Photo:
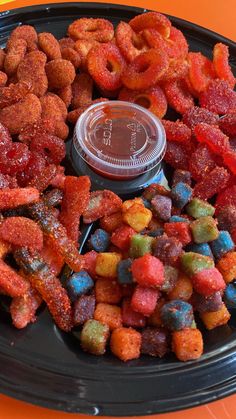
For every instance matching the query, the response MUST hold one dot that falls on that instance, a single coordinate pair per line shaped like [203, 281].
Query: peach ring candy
[145, 70]
[178, 95]
[175, 46]
[105, 65]
[151, 20]
[201, 71]
[100, 30]
[152, 99]
[221, 64]
[130, 43]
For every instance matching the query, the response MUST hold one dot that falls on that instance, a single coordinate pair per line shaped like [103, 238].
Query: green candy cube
[140, 245]
[192, 263]
[94, 336]
[198, 208]
[171, 276]
[204, 230]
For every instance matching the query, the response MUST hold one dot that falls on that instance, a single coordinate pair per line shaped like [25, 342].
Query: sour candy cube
[109, 315]
[208, 281]
[183, 176]
[125, 343]
[167, 249]
[180, 231]
[230, 295]
[177, 315]
[202, 248]
[79, 283]
[155, 341]
[121, 237]
[124, 274]
[182, 290]
[107, 291]
[137, 216]
[212, 319]
[94, 337]
[140, 245]
[222, 244]
[99, 240]
[84, 308]
[202, 303]
[130, 317]
[192, 263]
[187, 344]
[144, 300]
[227, 266]
[171, 276]
[198, 208]
[148, 271]
[162, 207]
[106, 264]
[204, 229]
[181, 194]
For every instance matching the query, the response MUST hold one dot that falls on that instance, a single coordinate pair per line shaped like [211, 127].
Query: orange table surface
[218, 16]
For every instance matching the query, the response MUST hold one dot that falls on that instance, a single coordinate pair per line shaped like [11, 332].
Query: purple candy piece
[155, 341]
[181, 176]
[167, 249]
[203, 304]
[84, 309]
[227, 217]
[162, 207]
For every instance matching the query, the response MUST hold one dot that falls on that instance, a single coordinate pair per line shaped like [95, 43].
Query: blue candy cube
[124, 274]
[222, 244]
[230, 295]
[156, 233]
[99, 240]
[78, 284]
[181, 194]
[177, 315]
[202, 248]
[178, 219]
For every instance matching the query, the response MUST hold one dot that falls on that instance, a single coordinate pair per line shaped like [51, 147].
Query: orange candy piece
[221, 64]
[21, 231]
[145, 70]
[11, 282]
[153, 20]
[213, 137]
[130, 44]
[13, 198]
[100, 30]
[152, 99]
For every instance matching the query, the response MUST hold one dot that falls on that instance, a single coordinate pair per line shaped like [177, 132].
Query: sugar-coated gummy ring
[129, 43]
[100, 30]
[221, 64]
[178, 95]
[201, 71]
[152, 99]
[178, 69]
[151, 20]
[175, 46]
[105, 65]
[145, 70]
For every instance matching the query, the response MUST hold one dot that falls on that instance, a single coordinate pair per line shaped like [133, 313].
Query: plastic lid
[119, 139]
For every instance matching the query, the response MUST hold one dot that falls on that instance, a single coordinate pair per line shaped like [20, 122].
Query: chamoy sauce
[120, 145]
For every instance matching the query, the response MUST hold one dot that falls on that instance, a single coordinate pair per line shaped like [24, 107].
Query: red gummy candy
[212, 183]
[90, 263]
[101, 203]
[14, 160]
[230, 160]
[12, 198]
[153, 20]
[176, 131]
[148, 271]
[130, 317]
[44, 178]
[74, 203]
[195, 115]
[177, 156]
[5, 139]
[41, 127]
[208, 281]
[219, 98]
[54, 260]
[11, 282]
[22, 232]
[213, 137]
[34, 167]
[226, 197]
[144, 300]
[180, 231]
[121, 237]
[129, 43]
[228, 124]
[50, 147]
[178, 95]
[221, 63]
[202, 162]
[201, 71]
[23, 309]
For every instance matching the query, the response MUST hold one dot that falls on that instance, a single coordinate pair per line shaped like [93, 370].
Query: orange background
[218, 16]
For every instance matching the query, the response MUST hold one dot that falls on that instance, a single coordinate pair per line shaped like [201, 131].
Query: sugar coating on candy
[204, 229]
[181, 193]
[94, 337]
[51, 147]
[162, 207]
[121, 237]
[212, 319]
[23, 308]
[221, 63]
[108, 314]
[51, 257]
[101, 203]
[65, 93]
[218, 98]
[11, 282]
[203, 303]
[78, 284]
[90, 262]
[227, 124]
[153, 20]
[148, 271]
[75, 200]
[196, 115]
[137, 216]
[130, 317]
[155, 341]
[107, 291]
[212, 183]
[26, 32]
[222, 244]
[201, 71]
[44, 178]
[106, 264]
[192, 263]
[177, 156]
[226, 217]
[227, 266]
[229, 159]
[181, 176]
[187, 344]
[178, 219]
[226, 197]
[129, 43]
[49, 45]
[202, 248]
[71, 55]
[12, 198]
[22, 231]
[176, 131]
[170, 278]
[230, 296]
[202, 162]
[145, 70]
[208, 281]
[144, 300]
[140, 245]
[178, 95]
[84, 308]
[15, 53]
[82, 90]
[152, 99]
[181, 231]
[213, 137]
[100, 30]
[125, 343]
[182, 289]
[198, 208]
[167, 249]
[32, 70]
[60, 73]
[177, 315]
[99, 240]
[111, 222]
[155, 189]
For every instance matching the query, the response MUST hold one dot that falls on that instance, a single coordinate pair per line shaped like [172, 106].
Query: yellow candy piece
[137, 216]
[212, 319]
[106, 264]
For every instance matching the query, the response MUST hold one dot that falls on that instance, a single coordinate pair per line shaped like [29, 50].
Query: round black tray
[46, 367]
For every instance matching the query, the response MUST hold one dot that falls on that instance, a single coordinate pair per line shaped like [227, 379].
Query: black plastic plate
[46, 367]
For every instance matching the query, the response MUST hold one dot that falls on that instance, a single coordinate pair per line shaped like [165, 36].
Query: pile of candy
[155, 261]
